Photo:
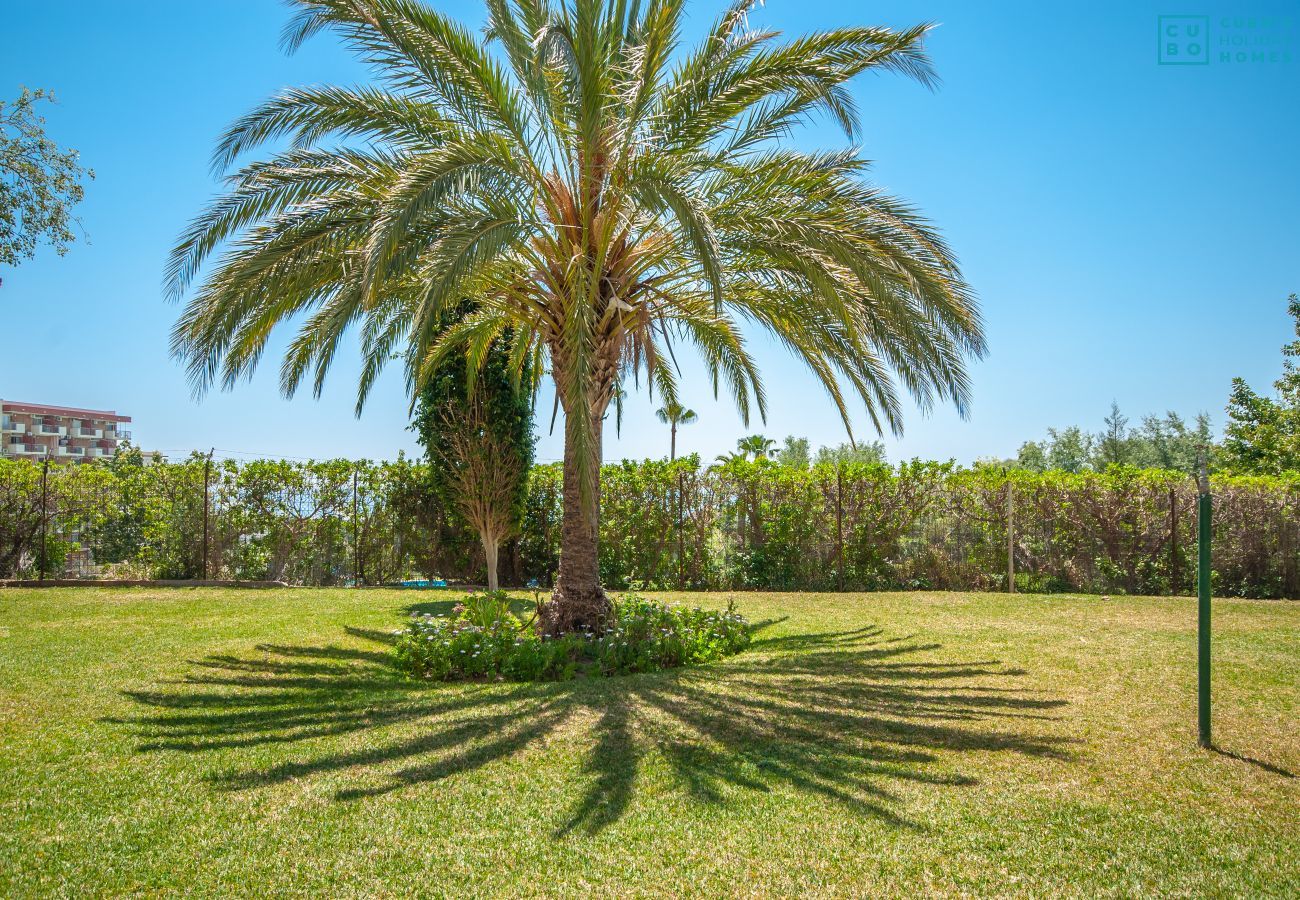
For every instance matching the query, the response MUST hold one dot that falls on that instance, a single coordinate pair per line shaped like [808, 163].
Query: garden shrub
[484, 638]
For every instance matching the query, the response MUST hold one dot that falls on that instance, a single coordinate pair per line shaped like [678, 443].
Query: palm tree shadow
[850, 716]
[430, 607]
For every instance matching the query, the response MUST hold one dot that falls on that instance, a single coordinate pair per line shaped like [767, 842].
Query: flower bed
[484, 638]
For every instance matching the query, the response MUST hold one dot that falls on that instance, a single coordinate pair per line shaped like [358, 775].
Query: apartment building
[62, 433]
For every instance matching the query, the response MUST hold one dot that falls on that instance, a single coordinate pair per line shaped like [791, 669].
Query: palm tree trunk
[672, 447]
[579, 602]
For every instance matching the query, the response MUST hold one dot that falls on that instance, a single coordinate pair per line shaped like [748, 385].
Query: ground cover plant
[219, 742]
[483, 637]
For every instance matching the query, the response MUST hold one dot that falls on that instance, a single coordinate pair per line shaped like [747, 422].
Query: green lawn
[258, 742]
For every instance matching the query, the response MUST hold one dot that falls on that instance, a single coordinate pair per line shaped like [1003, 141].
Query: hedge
[919, 525]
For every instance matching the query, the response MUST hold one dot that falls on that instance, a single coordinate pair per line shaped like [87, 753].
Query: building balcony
[71, 451]
[12, 427]
[78, 431]
[60, 430]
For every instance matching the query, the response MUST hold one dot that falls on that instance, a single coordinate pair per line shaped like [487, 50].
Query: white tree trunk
[490, 550]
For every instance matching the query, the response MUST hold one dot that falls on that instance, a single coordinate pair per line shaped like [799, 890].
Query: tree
[1169, 443]
[39, 183]
[756, 446]
[1032, 456]
[873, 452]
[603, 193]
[674, 414]
[1071, 449]
[425, 527]
[795, 453]
[1262, 436]
[1160, 443]
[121, 535]
[1114, 444]
[480, 446]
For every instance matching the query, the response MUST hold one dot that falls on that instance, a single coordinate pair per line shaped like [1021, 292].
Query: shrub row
[664, 525]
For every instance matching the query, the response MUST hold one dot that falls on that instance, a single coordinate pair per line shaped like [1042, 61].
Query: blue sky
[1131, 228]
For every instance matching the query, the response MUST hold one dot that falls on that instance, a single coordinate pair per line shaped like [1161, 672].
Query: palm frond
[577, 186]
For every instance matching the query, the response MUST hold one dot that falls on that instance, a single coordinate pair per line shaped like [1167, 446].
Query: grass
[259, 742]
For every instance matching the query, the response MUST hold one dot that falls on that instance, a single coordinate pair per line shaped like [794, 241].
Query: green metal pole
[1203, 509]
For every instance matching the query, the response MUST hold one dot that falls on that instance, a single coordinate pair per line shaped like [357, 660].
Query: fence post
[1174, 574]
[1011, 537]
[839, 520]
[681, 543]
[356, 538]
[45, 520]
[1204, 509]
[207, 477]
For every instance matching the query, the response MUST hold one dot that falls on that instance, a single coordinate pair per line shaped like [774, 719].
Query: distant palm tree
[674, 414]
[599, 192]
[756, 446]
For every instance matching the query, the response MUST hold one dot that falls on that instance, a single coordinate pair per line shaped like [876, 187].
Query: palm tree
[674, 414]
[756, 446]
[599, 194]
